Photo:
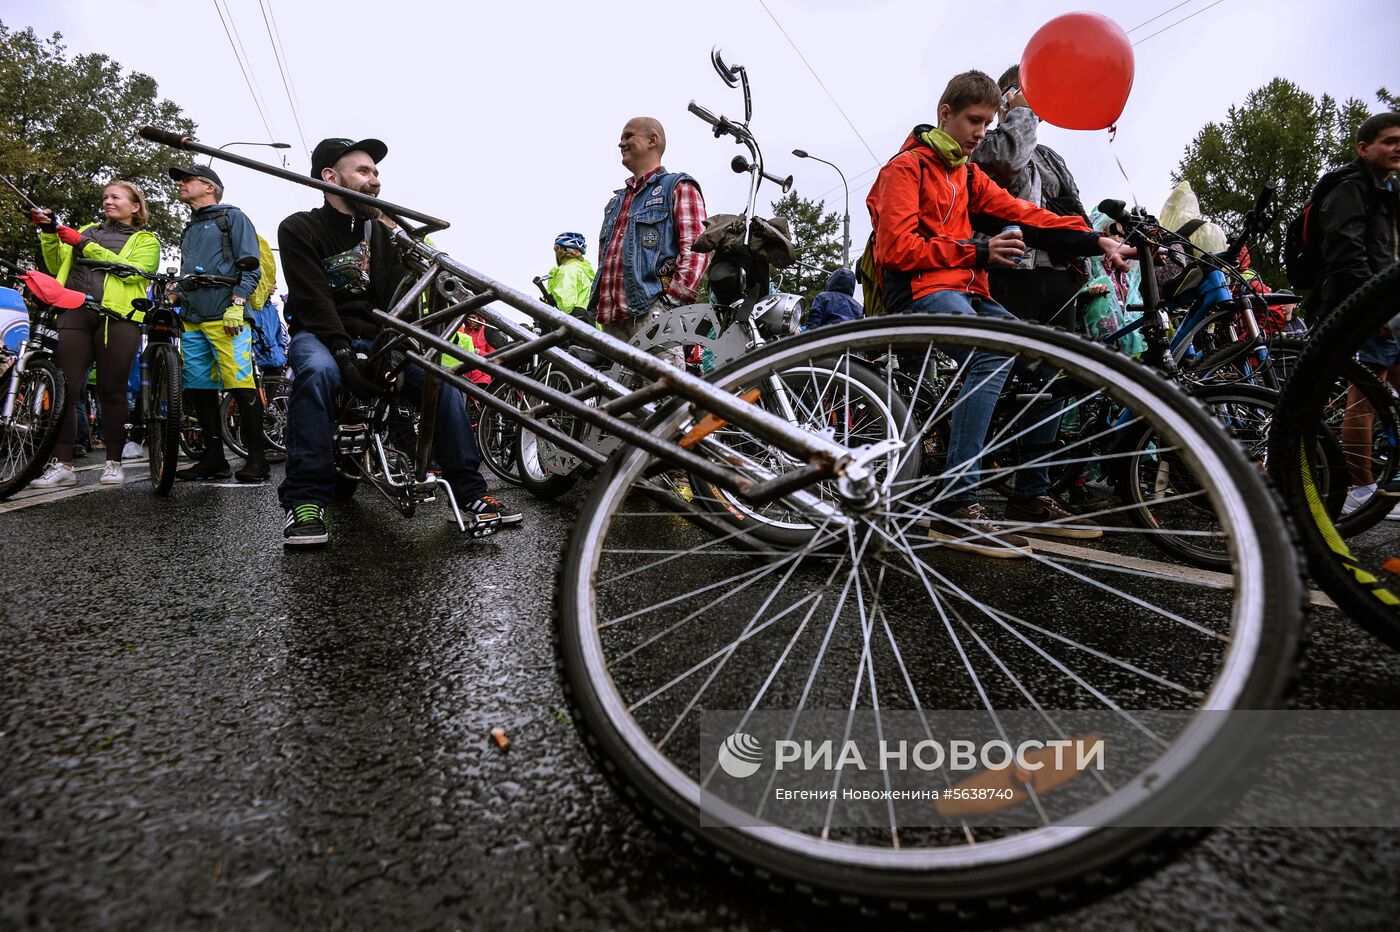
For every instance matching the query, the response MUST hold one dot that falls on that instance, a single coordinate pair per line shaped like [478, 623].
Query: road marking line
[31, 497]
[1188, 573]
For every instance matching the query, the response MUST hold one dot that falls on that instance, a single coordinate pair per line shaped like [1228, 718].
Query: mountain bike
[35, 393]
[162, 402]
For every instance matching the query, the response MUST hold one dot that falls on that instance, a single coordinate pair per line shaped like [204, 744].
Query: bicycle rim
[28, 437]
[658, 623]
[164, 416]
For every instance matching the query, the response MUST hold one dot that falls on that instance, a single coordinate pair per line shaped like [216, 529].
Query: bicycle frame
[619, 411]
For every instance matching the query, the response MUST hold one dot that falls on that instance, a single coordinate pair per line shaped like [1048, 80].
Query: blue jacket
[203, 247]
[650, 244]
[835, 304]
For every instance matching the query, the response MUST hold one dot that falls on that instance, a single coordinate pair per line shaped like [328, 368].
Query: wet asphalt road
[198, 731]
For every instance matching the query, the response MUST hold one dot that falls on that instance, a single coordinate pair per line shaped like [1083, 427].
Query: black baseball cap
[195, 171]
[329, 151]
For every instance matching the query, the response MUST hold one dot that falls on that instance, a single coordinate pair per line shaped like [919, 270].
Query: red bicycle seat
[47, 289]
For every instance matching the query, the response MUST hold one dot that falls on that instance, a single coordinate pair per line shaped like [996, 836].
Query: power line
[1177, 23]
[278, 55]
[277, 30]
[1159, 16]
[247, 80]
[238, 37]
[818, 78]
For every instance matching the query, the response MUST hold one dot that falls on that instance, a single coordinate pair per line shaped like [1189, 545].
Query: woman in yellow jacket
[85, 337]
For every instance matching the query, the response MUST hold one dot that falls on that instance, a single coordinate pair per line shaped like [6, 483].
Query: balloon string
[1113, 135]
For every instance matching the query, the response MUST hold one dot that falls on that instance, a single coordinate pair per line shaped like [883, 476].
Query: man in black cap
[340, 264]
[218, 343]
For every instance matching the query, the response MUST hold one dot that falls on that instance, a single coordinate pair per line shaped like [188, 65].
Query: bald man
[645, 262]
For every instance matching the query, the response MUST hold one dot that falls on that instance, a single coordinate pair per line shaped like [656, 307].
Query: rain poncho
[1106, 313]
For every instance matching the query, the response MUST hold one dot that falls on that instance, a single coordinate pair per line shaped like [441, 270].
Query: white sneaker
[1357, 496]
[112, 473]
[133, 451]
[55, 477]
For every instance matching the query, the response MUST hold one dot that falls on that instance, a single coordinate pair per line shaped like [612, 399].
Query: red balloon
[1077, 71]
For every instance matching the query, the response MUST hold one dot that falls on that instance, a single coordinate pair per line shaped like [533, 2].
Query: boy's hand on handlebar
[1116, 254]
[233, 319]
[69, 235]
[43, 219]
[1005, 248]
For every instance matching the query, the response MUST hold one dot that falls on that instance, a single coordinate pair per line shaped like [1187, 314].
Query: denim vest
[650, 244]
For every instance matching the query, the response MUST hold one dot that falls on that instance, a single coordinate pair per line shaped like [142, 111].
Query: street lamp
[270, 145]
[846, 221]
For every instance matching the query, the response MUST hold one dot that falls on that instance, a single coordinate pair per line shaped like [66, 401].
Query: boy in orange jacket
[922, 208]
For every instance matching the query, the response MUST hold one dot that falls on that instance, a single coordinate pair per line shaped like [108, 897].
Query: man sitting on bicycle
[340, 264]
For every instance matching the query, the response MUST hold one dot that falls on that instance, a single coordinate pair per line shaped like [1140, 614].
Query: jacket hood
[913, 141]
[842, 280]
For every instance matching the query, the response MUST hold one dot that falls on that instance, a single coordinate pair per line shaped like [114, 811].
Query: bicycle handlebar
[197, 279]
[722, 125]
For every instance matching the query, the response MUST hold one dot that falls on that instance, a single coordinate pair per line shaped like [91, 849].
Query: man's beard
[364, 211]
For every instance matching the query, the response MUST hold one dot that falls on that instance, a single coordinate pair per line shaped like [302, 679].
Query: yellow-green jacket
[142, 251]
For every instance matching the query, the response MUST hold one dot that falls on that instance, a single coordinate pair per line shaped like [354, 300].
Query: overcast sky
[503, 118]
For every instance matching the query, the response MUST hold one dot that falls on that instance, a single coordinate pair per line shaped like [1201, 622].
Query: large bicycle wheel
[1359, 572]
[163, 415]
[677, 647]
[28, 435]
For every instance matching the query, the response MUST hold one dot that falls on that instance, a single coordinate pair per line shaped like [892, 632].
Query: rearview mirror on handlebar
[246, 263]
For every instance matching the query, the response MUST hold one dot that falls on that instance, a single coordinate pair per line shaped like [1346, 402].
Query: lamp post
[846, 220]
[270, 145]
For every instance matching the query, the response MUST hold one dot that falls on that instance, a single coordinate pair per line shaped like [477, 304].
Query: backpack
[226, 238]
[1302, 241]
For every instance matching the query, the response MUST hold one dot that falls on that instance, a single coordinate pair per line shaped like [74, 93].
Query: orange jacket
[919, 210]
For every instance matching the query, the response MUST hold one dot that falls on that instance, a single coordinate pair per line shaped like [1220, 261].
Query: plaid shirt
[688, 214]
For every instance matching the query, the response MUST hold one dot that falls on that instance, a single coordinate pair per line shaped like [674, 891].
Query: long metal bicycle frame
[822, 458]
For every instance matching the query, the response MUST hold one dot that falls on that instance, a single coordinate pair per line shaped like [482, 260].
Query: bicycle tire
[535, 477]
[1354, 574]
[496, 439]
[27, 440]
[276, 396]
[617, 676]
[163, 415]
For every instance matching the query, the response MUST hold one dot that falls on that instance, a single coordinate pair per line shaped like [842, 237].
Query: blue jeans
[310, 432]
[984, 376]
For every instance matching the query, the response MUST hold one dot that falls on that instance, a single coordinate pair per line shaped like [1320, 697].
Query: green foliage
[1280, 133]
[816, 235]
[68, 126]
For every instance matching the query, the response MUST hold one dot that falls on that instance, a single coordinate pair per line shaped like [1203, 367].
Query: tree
[816, 236]
[68, 125]
[1280, 133]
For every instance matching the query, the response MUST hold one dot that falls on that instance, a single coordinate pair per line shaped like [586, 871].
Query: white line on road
[1188, 573]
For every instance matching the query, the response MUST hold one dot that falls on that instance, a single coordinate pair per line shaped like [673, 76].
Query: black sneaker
[970, 529]
[305, 527]
[253, 470]
[490, 504]
[202, 471]
[1049, 519]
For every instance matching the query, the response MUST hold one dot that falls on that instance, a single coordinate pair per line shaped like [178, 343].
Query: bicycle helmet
[572, 241]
